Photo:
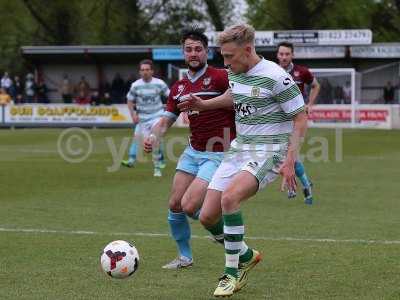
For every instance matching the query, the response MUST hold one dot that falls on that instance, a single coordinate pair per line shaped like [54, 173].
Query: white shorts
[143, 129]
[261, 164]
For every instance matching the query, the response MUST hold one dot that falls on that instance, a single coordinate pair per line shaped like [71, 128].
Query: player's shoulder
[269, 69]
[158, 81]
[137, 82]
[216, 71]
[300, 68]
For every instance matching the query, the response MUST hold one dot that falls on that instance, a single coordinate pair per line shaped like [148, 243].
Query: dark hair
[146, 62]
[286, 44]
[196, 34]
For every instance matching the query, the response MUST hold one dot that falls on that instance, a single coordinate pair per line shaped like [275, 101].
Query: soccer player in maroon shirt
[302, 76]
[211, 134]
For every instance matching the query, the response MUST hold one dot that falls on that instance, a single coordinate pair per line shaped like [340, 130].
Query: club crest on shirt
[255, 91]
[296, 73]
[180, 90]
[206, 83]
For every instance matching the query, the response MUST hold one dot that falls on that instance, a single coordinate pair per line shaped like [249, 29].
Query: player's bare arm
[287, 168]
[315, 88]
[196, 103]
[132, 111]
[157, 132]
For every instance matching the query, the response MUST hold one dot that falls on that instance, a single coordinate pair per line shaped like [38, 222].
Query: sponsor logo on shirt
[255, 91]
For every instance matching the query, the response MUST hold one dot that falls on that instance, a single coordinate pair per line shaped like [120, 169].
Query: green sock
[233, 236]
[217, 230]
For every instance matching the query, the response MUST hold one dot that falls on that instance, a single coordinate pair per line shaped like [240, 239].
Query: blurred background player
[302, 76]
[146, 108]
[211, 133]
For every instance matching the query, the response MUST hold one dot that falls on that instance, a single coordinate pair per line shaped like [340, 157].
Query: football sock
[217, 230]
[158, 155]
[196, 215]
[301, 174]
[132, 152]
[180, 231]
[245, 253]
[233, 238]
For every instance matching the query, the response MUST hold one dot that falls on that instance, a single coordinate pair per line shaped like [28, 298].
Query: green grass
[357, 200]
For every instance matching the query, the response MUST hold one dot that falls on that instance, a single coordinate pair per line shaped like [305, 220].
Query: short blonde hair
[240, 34]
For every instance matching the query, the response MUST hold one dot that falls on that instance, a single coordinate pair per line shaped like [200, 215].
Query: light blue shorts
[201, 164]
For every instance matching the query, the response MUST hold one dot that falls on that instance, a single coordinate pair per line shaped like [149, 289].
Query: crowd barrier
[68, 115]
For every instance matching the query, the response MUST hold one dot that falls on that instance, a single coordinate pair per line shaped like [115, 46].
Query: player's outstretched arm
[315, 88]
[157, 132]
[196, 103]
[287, 168]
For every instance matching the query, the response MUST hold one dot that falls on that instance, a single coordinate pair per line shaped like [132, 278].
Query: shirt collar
[289, 68]
[196, 75]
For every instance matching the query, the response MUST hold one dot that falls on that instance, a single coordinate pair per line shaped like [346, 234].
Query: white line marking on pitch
[148, 234]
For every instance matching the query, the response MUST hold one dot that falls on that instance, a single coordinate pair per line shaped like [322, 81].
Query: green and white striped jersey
[266, 99]
[147, 96]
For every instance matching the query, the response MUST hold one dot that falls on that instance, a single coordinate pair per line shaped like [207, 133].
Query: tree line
[141, 22]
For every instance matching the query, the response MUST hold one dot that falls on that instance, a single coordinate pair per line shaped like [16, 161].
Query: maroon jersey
[210, 124]
[301, 75]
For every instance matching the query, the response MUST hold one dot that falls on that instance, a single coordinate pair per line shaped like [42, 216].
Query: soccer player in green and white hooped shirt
[146, 109]
[270, 122]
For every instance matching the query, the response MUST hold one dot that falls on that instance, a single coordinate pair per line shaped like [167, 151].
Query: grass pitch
[56, 216]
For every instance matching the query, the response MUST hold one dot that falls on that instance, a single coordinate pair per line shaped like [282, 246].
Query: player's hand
[288, 174]
[193, 103]
[308, 109]
[135, 118]
[148, 144]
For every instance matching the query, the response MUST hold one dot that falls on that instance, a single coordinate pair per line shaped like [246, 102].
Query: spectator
[104, 91]
[106, 99]
[131, 79]
[95, 98]
[83, 88]
[30, 88]
[325, 94]
[42, 90]
[388, 93]
[82, 99]
[17, 90]
[5, 98]
[338, 95]
[117, 89]
[347, 93]
[6, 82]
[66, 89]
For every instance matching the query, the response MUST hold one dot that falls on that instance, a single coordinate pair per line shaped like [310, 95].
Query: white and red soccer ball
[119, 259]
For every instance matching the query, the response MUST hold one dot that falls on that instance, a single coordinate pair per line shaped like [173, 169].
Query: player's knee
[174, 204]
[189, 206]
[206, 219]
[229, 202]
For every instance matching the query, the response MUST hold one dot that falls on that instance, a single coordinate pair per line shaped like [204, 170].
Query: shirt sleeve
[164, 89]
[172, 110]
[308, 76]
[288, 95]
[131, 96]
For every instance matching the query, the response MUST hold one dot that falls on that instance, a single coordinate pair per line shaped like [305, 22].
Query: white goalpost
[339, 104]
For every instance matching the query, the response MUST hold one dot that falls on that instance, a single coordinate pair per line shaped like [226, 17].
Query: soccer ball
[119, 259]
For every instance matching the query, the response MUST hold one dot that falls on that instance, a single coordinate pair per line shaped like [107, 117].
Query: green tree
[102, 22]
[382, 17]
